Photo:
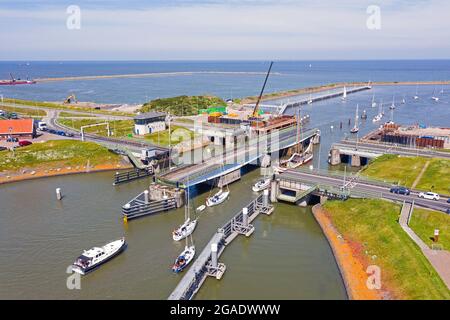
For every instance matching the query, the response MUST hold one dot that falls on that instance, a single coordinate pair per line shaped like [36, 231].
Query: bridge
[233, 160]
[369, 150]
[328, 183]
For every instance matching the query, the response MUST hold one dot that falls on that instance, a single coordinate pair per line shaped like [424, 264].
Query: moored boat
[184, 230]
[218, 198]
[183, 260]
[96, 256]
[261, 185]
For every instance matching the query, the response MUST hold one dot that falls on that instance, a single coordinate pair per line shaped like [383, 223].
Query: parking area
[42, 137]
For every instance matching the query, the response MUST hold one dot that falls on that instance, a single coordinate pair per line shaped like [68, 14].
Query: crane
[255, 110]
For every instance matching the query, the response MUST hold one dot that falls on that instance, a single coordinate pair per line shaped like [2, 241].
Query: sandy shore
[351, 266]
[36, 173]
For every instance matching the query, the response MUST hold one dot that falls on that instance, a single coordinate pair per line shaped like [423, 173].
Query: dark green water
[287, 256]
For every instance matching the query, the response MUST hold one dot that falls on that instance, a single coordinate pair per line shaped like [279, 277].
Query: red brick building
[19, 128]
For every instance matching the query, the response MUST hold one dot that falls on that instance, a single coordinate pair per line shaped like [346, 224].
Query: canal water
[287, 257]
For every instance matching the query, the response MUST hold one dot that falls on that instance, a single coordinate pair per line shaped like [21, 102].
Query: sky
[225, 30]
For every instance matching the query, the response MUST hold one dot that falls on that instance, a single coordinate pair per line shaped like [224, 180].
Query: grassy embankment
[55, 154]
[51, 105]
[404, 170]
[183, 105]
[124, 128]
[34, 113]
[372, 228]
[424, 222]
[65, 114]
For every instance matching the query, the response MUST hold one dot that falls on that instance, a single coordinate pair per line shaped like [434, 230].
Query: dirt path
[352, 269]
[419, 176]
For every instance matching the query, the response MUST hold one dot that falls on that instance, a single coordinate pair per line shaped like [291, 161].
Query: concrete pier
[207, 263]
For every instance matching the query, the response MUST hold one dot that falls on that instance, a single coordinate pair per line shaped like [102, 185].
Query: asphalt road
[364, 186]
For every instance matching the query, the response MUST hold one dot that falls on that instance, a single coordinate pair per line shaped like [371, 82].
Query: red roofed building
[19, 128]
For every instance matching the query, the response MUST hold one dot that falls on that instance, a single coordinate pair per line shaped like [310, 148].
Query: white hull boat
[184, 230]
[218, 198]
[96, 256]
[261, 185]
[183, 260]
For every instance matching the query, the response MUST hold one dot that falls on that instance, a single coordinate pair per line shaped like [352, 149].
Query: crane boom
[255, 110]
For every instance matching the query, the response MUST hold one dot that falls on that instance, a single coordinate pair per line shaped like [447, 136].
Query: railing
[122, 177]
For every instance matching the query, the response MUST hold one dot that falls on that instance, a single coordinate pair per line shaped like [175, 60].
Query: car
[52, 131]
[23, 143]
[400, 190]
[60, 133]
[12, 139]
[429, 195]
[3, 148]
[448, 211]
[448, 200]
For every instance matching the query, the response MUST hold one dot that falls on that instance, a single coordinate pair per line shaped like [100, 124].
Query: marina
[198, 273]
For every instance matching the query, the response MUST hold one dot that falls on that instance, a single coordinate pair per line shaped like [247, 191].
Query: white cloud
[239, 29]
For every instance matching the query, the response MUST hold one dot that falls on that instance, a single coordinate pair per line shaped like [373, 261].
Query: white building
[149, 122]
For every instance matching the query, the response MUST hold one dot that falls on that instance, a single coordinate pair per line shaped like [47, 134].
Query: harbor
[145, 205]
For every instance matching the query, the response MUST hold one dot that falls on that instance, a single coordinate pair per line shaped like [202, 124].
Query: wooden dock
[207, 262]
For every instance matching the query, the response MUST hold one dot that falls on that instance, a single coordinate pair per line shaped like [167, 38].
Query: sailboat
[262, 184]
[380, 113]
[364, 115]
[310, 101]
[442, 90]
[392, 107]
[374, 104]
[403, 100]
[187, 255]
[344, 95]
[416, 96]
[355, 128]
[434, 97]
[188, 226]
[218, 198]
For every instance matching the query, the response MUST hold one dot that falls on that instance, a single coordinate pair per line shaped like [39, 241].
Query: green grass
[120, 128]
[182, 105]
[64, 114]
[56, 153]
[24, 111]
[424, 222]
[51, 105]
[178, 135]
[404, 170]
[436, 177]
[395, 169]
[374, 225]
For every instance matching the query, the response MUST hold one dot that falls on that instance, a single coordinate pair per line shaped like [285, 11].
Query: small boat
[344, 95]
[184, 230]
[374, 104]
[183, 260]
[201, 208]
[442, 90]
[96, 256]
[392, 107]
[434, 97]
[416, 96]
[310, 101]
[364, 115]
[296, 160]
[218, 198]
[261, 185]
[403, 100]
[355, 128]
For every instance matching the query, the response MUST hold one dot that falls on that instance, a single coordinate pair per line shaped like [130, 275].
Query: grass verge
[372, 226]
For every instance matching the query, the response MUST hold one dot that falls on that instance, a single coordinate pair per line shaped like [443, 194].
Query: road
[366, 187]
[391, 149]
[52, 116]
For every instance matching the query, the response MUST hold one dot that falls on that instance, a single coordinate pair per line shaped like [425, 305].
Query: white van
[42, 126]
